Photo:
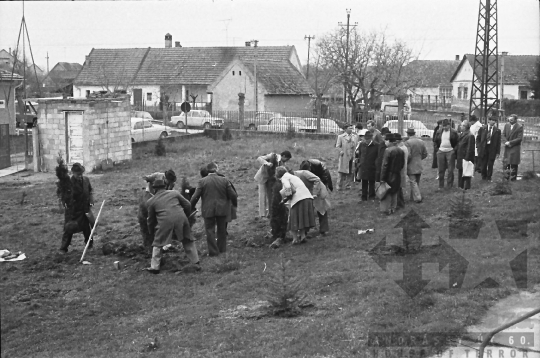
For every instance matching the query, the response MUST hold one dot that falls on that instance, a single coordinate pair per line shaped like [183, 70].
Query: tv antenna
[227, 21]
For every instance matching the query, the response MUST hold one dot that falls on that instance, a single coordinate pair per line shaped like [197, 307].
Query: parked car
[260, 118]
[143, 130]
[327, 126]
[141, 114]
[26, 113]
[283, 124]
[419, 127]
[196, 118]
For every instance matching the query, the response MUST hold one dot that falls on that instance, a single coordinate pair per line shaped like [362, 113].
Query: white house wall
[464, 79]
[225, 92]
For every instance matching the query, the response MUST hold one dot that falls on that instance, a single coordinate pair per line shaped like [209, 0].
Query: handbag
[381, 190]
[468, 168]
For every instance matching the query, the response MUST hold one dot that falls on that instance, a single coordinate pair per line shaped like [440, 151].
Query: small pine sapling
[461, 207]
[502, 184]
[284, 291]
[227, 135]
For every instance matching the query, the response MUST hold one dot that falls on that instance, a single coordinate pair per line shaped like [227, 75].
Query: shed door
[137, 98]
[5, 160]
[74, 137]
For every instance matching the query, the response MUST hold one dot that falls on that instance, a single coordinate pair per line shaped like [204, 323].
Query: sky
[435, 29]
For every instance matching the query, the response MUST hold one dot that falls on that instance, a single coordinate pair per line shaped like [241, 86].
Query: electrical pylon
[485, 78]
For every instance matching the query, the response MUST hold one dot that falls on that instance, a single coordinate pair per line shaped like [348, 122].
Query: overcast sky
[437, 29]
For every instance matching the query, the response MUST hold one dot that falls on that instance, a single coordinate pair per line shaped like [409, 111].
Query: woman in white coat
[301, 213]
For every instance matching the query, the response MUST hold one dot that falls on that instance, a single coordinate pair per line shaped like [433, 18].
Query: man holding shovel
[77, 214]
[168, 213]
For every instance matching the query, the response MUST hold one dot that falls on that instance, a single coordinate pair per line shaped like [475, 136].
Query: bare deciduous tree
[374, 66]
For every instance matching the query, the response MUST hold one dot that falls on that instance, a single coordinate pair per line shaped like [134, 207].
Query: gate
[5, 159]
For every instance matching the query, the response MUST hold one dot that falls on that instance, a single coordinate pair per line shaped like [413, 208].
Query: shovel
[91, 233]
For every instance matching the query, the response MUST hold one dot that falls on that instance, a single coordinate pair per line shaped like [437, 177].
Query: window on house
[239, 73]
[459, 91]
[87, 93]
[522, 94]
[149, 96]
[445, 92]
[465, 93]
[233, 73]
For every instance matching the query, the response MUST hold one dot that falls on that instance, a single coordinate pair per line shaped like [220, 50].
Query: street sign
[185, 107]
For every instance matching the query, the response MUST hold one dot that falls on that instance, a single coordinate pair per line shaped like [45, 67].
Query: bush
[226, 136]
[160, 149]
[529, 175]
[502, 184]
[291, 133]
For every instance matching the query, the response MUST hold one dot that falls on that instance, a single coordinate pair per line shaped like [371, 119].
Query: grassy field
[53, 306]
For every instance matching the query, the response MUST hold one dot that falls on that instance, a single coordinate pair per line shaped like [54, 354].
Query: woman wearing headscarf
[302, 213]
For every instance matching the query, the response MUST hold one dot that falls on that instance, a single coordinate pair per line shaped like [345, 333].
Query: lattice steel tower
[485, 78]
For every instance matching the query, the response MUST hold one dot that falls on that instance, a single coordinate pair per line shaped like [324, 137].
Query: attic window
[149, 96]
[239, 73]
[233, 73]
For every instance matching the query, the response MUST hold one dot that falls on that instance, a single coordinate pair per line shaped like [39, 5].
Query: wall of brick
[106, 130]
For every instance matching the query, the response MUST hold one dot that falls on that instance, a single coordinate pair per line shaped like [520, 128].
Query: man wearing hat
[403, 187]
[142, 214]
[445, 143]
[382, 148]
[513, 135]
[392, 164]
[417, 153]
[168, 213]
[366, 162]
[77, 205]
[346, 144]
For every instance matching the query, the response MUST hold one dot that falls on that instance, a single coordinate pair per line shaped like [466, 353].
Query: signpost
[185, 107]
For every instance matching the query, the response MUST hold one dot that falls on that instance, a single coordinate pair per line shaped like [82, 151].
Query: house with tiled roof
[210, 75]
[8, 82]
[433, 81]
[61, 77]
[518, 71]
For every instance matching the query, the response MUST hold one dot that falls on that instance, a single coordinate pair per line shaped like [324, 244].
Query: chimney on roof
[248, 43]
[168, 41]
[457, 57]
[177, 44]
[87, 60]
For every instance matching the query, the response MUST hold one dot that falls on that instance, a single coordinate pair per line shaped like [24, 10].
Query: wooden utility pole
[308, 38]
[346, 79]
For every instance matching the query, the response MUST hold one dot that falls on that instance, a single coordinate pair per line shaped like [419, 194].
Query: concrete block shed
[90, 131]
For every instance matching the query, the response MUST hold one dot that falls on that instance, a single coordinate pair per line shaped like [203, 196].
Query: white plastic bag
[468, 168]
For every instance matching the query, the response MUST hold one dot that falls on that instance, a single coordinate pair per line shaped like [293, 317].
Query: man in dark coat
[319, 169]
[445, 142]
[367, 153]
[489, 147]
[513, 135]
[168, 213]
[465, 150]
[393, 162]
[217, 197]
[77, 208]
[434, 161]
[142, 214]
[382, 148]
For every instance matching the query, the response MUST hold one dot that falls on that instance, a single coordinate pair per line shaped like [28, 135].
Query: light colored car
[196, 118]
[419, 127]
[143, 130]
[327, 126]
[260, 118]
[283, 124]
[141, 114]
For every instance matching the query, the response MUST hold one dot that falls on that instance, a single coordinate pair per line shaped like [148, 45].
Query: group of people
[380, 159]
[290, 199]
[384, 162]
[474, 148]
[169, 213]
